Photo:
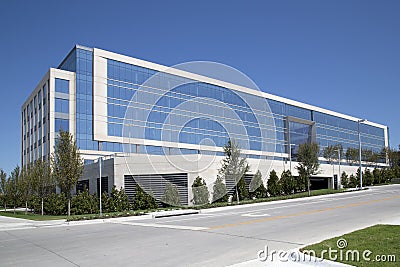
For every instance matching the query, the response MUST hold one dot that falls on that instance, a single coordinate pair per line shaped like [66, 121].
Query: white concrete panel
[99, 97]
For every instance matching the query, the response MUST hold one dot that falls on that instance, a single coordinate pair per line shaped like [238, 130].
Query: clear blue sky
[340, 55]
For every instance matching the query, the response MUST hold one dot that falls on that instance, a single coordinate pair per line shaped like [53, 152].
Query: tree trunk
[5, 206]
[42, 206]
[26, 206]
[69, 205]
[237, 194]
[309, 191]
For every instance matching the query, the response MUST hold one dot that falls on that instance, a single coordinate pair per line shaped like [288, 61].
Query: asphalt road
[216, 237]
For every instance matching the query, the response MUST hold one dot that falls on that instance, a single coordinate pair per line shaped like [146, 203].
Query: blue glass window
[61, 124]
[61, 105]
[62, 86]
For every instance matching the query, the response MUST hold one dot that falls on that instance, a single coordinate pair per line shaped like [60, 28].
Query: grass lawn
[30, 216]
[382, 240]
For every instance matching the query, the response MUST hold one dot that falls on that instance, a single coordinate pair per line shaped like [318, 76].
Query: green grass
[381, 240]
[31, 216]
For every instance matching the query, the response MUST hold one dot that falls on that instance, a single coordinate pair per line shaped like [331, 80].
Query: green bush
[287, 183]
[171, 195]
[257, 188]
[143, 200]
[345, 180]
[118, 200]
[200, 192]
[273, 184]
[84, 203]
[368, 179]
[241, 187]
[55, 204]
[219, 191]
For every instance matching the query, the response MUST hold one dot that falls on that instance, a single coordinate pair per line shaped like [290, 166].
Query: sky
[335, 54]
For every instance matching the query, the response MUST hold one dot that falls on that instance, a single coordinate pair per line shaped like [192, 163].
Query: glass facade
[80, 61]
[34, 127]
[145, 104]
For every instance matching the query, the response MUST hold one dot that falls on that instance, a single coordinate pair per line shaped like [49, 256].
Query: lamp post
[100, 207]
[290, 156]
[339, 176]
[359, 151]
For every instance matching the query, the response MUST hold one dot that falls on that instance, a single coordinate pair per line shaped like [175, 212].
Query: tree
[43, 182]
[287, 183]
[171, 195]
[273, 184]
[219, 191]
[200, 191]
[26, 186]
[118, 200]
[67, 164]
[234, 167]
[13, 183]
[257, 188]
[352, 156]
[143, 200]
[308, 160]
[3, 188]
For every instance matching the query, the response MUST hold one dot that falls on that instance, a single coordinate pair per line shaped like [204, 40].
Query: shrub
[368, 178]
[84, 203]
[118, 200]
[257, 188]
[171, 195]
[344, 180]
[219, 191]
[200, 192]
[143, 200]
[287, 183]
[55, 204]
[273, 184]
[241, 188]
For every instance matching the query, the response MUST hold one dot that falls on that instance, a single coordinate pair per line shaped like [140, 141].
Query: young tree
[67, 164]
[287, 183]
[3, 188]
[273, 184]
[200, 192]
[308, 160]
[43, 182]
[219, 191]
[13, 184]
[234, 167]
[257, 188]
[171, 195]
[26, 186]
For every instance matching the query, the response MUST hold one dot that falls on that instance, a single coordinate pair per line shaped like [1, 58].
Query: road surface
[215, 237]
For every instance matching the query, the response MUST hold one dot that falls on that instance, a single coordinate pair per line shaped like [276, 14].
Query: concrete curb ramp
[172, 213]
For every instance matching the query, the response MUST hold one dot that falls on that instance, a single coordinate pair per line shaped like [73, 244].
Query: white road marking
[170, 226]
[256, 214]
